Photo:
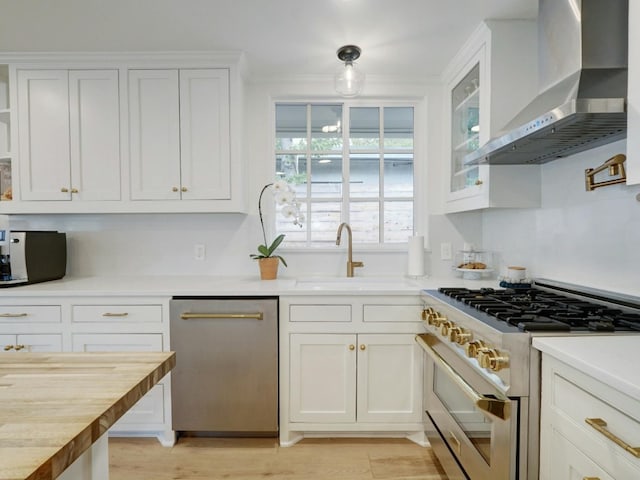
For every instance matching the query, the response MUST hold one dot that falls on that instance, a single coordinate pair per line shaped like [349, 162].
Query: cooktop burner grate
[538, 310]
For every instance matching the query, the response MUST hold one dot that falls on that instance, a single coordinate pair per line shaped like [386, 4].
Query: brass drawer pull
[13, 315]
[187, 316]
[20, 347]
[8, 347]
[590, 478]
[600, 425]
[110, 314]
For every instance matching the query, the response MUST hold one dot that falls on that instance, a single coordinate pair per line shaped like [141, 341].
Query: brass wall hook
[616, 167]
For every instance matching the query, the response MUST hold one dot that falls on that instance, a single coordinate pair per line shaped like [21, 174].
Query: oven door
[472, 426]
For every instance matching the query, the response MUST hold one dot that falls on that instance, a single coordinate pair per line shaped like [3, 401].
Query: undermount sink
[356, 283]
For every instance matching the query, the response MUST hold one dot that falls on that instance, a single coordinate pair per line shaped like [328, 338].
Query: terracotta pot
[268, 268]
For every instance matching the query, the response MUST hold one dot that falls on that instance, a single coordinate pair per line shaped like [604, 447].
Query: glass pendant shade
[349, 81]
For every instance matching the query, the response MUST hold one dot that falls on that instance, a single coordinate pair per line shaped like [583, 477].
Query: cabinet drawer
[574, 399]
[568, 461]
[117, 342]
[392, 313]
[117, 313]
[30, 313]
[320, 313]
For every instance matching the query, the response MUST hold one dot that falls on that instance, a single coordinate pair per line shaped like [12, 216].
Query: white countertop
[236, 286]
[612, 359]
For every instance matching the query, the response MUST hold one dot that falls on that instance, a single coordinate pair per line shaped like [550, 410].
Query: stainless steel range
[482, 377]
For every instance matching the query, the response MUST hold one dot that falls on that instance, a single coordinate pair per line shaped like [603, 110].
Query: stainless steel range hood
[582, 81]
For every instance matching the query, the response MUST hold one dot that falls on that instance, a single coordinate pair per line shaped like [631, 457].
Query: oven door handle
[497, 407]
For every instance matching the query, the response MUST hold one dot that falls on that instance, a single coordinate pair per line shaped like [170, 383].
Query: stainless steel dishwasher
[225, 381]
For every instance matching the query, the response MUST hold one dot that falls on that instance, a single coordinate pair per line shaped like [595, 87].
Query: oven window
[475, 424]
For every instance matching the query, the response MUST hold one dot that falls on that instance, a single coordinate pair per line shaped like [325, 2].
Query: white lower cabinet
[355, 378]
[148, 413]
[348, 370]
[584, 427]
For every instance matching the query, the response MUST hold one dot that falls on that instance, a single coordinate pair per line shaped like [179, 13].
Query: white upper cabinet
[487, 83]
[633, 98]
[121, 133]
[154, 137]
[69, 134]
[179, 134]
[204, 140]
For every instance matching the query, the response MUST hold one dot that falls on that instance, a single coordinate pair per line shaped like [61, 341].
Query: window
[347, 164]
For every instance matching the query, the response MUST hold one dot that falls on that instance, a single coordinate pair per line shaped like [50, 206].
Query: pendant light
[349, 81]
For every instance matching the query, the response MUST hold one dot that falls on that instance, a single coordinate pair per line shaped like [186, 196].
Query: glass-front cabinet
[5, 135]
[465, 129]
[493, 76]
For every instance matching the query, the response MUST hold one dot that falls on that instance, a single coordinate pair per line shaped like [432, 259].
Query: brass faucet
[350, 263]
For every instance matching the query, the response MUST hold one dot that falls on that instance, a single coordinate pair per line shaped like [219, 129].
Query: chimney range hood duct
[583, 86]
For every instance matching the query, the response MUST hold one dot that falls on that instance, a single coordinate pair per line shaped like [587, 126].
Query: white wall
[580, 237]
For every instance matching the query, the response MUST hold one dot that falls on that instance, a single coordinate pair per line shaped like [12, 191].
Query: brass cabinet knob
[352, 347]
[478, 182]
[74, 190]
[8, 347]
[64, 190]
[174, 189]
[492, 359]
[362, 347]
[473, 347]
[183, 189]
[19, 347]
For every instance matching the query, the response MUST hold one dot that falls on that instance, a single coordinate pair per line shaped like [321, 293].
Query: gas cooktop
[534, 309]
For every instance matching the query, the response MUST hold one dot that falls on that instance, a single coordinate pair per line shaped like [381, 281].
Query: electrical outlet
[445, 251]
[199, 251]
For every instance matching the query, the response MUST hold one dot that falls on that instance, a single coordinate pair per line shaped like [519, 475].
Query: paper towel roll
[415, 257]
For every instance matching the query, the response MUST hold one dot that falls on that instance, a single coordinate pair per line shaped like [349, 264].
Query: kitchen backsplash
[588, 238]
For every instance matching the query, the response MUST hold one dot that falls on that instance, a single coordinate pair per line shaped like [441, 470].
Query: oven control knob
[492, 359]
[426, 312]
[445, 327]
[473, 347]
[436, 319]
[460, 335]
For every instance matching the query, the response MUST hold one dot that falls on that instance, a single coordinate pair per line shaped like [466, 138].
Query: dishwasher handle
[190, 316]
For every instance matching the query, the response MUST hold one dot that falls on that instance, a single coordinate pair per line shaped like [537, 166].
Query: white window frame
[419, 167]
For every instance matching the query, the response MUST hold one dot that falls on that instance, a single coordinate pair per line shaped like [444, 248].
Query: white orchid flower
[289, 211]
[281, 186]
[284, 197]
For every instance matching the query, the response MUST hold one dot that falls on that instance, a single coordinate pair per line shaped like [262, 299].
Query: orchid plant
[285, 196]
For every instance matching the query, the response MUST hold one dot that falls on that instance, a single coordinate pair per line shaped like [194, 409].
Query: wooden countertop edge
[69, 453]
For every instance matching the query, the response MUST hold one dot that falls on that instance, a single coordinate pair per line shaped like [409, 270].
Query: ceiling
[279, 37]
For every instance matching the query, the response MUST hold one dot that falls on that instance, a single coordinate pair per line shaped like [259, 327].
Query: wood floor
[310, 459]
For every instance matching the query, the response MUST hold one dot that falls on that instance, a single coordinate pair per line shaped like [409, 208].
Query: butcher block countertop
[54, 406]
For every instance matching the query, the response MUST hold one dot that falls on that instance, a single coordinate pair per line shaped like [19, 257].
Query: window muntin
[362, 174]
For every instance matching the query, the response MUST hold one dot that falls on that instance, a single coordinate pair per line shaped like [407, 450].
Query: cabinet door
[154, 134]
[389, 378]
[633, 98]
[43, 132]
[40, 343]
[323, 378]
[31, 343]
[94, 101]
[204, 134]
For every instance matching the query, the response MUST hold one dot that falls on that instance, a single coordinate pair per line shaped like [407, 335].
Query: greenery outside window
[347, 163]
